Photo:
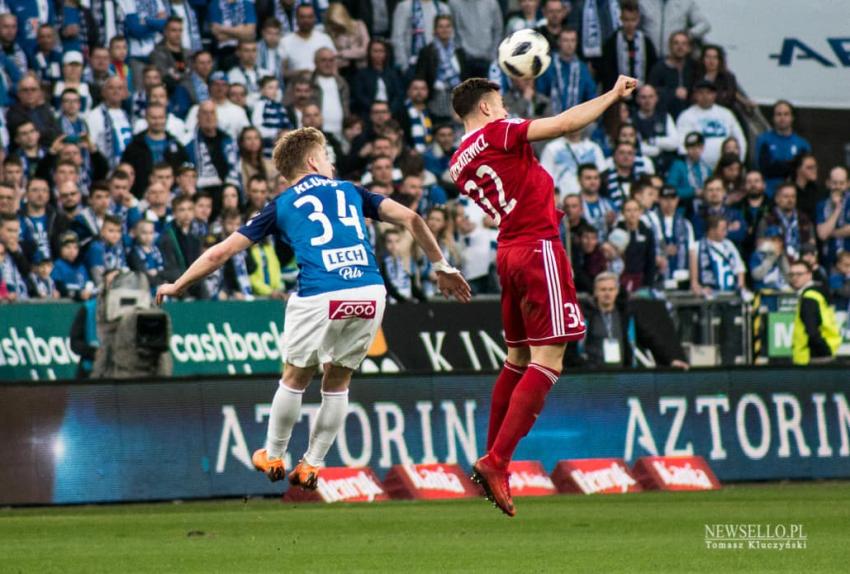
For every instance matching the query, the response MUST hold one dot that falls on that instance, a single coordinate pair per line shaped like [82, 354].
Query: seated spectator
[563, 157]
[399, 270]
[608, 340]
[247, 72]
[269, 115]
[350, 37]
[413, 28]
[713, 121]
[143, 24]
[312, 117]
[157, 95]
[712, 68]
[231, 118]
[109, 125]
[622, 173]
[213, 152]
[816, 335]
[378, 81]
[714, 204]
[30, 107]
[777, 148]
[270, 52]
[718, 266]
[833, 216]
[72, 123]
[438, 155]
[47, 59]
[572, 221]
[656, 129]
[72, 79]
[15, 55]
[627, 133]
[106, 252]
[597, 211]
[236, 276]
[804, 171]
[839, 282]
[442, 65]
[179, 247]
[587, 258]
[157, 208]
[69, 206]
[300, 46]
[45, 286]
[71, 279]
[688, 174]
[568, 81]
[153, 146]
[266, 280]
[753, 207]
[679, 242]
[230, 22]
[647, 195]
[442, 226]
[381, 171]
[187, 180]
[144, 256]
[522, 100]
[769, 265]
[639, 257]
[303, 93]
[730, 169]
[86, 225]
[332, 91]
[38, 217]
[674, 75]
[796, 227]
[16, 268]
[122, 203]
[628, 51]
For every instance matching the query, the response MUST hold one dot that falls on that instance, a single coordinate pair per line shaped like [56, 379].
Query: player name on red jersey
[467, 155]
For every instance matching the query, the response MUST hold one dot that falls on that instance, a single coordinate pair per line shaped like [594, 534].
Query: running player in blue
[333, 318]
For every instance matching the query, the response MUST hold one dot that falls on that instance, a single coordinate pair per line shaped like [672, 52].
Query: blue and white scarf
[110, 138]
[420, 126]
[44, 286]
[269, 59]
[678, 235]
[565, 90]
[12, 277]
[596, 214]
[139, 104]
[716, 265]
[190, 20]
[790, 232]
[417, 30]
[446, 71]
[598, 23]
[240, 266]
[631, 55]
[202, 90]
[232, 13]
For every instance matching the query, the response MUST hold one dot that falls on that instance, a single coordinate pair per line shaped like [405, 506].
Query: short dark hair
[785, 184]
[174, 19]
[439, 17]
[629, 6]
[467, 95]
[112, 219]
[99, 187]
[72, 91]
[713, 221]
[115, 39]
[163, 165]
[257, 178]
[180, 200]
[586, 167]
[203, 195]
[230, 214]
[271, 23]
[804, 263]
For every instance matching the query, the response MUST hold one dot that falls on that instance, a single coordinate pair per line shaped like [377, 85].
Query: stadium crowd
[137, 133]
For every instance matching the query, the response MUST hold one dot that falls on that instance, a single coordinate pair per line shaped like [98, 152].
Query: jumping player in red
[495, 166]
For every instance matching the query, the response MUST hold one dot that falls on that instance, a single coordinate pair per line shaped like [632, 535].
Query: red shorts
[539, 304]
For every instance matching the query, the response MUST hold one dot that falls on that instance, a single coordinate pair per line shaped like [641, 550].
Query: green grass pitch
[648, 532]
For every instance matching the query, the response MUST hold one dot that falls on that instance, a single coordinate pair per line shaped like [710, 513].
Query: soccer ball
[524, 54]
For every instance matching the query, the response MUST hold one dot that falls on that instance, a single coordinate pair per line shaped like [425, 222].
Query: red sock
[526, 403]
[501, 398]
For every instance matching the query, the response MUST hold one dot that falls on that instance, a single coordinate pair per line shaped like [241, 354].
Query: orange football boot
[271, 467]
[304, 475]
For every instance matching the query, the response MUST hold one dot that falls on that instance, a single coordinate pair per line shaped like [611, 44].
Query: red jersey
[495, 166]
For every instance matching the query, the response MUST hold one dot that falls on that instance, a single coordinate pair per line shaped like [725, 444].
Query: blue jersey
[323, 221]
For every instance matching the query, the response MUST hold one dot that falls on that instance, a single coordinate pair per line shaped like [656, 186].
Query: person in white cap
[72, 77]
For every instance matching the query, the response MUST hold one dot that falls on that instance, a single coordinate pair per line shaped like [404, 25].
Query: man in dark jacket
[29, 109]
[443, 65]
[213, 153]
[179, 247]
[153, 146]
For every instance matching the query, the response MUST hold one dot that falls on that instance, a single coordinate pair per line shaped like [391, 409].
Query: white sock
[329, 421]
[286, 410]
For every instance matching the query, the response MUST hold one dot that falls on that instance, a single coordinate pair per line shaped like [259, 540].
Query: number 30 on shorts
[574, 313]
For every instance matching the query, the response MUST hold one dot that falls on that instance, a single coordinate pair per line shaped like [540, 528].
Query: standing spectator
[246, 71]
[712, 68]
[804, 170]
[415, 119]
[712, 120]
[170, 57]
[588, 258]
[816, 335]
[230, 22]
[730, 170]
[15, 55]
[839, 282]
[97, 72]
[70, 206]
[753, 208]
[29, 149]
[213, 152]
[269, 115]
[30, 15]
[719, 266]
[143, 23]
[312, 118]
[231, 117]
[300, 47]
[378, 81]
[599, 21]
[350, 38]
[777, 148]
[152, 146]
[332, 91]
[833, 217]
[554, 15]
[109, 125]
[479, 28]
[674, 75]
[443, 65]
[714, 204]
[688, 174]
[660, 16]
[122, 203]
[622, 174]
[19, 253]
[413, 29]
[179, 247]
[477, 245]
[198, 81]
[656, 128]
[47, 60]
[86, 224]
[769, 264]
[144, 256]
[190, 34]
[270, 51]
[596, 210]
[796, 226]
[158, 96]
[139, 100]
[158, 209]
[563, 157]
[439, 153]
[678, 240]
[45, 287]
[31, 108]
[186, 180]
[639, 256]
[72, 78]
[303, 93]
[38, 217]
[257, 194]
[567, 81]
[282, 10]
[521, 100]
[526, 18]
[118, 52]
[236, 281]
[628, 51]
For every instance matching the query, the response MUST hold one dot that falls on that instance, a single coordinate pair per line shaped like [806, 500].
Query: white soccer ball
[524, 54]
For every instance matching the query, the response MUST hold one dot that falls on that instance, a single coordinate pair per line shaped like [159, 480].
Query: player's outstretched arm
[582, 115]
[449, 280]
[209, 261]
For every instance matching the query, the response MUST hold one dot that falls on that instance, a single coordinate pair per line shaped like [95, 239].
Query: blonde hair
[338, 20]
[291, 150]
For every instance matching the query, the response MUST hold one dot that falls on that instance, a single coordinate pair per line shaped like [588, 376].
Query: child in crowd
[106, 252]
[45, 287]
[145, 256]
[72, 279]
[269, 115]
[118, 66]
[399, 269]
